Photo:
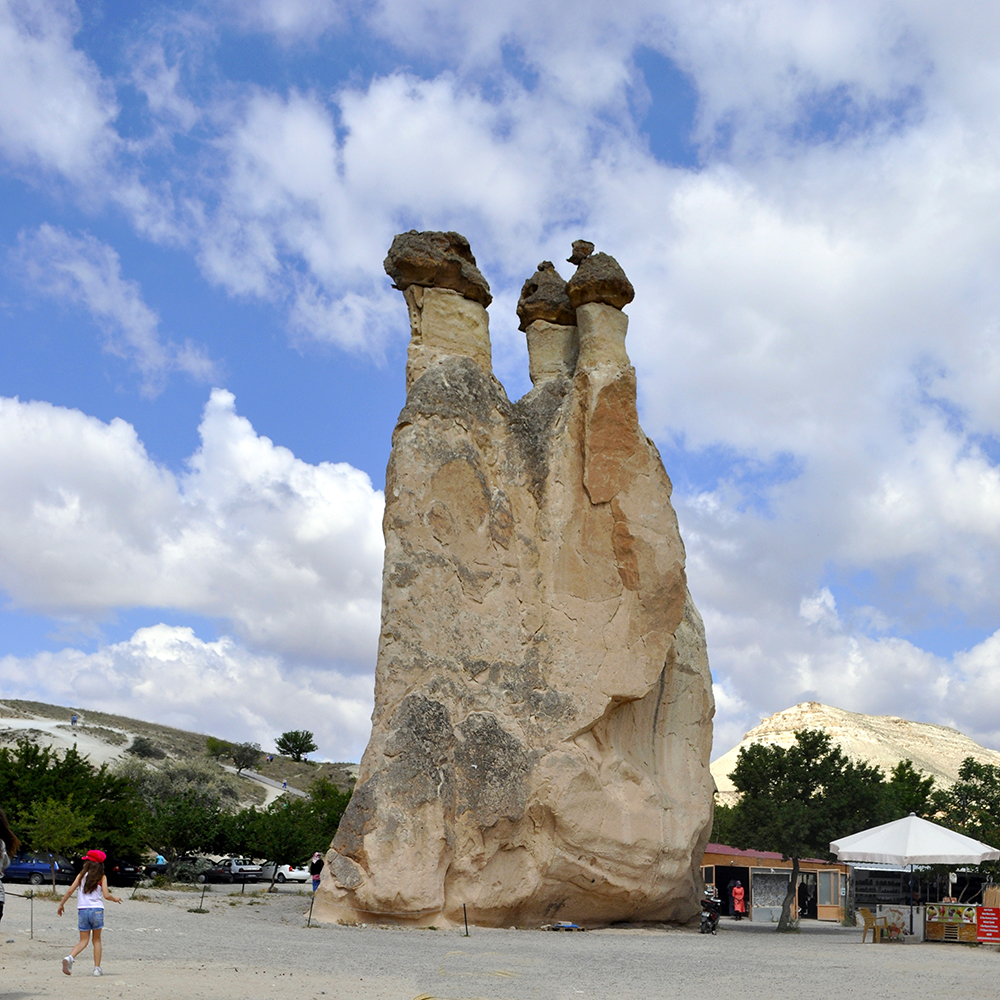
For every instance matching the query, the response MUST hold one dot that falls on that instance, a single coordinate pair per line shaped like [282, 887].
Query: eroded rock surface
[436, 260]
[542, 725]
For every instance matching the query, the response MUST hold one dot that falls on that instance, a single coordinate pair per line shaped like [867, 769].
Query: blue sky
[201, 359]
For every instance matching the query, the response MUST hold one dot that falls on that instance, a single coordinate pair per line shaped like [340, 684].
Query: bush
[143, 746]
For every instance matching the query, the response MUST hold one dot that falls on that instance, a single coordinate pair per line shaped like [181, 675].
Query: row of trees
[60, 802]
[296, 743]
[796, 800]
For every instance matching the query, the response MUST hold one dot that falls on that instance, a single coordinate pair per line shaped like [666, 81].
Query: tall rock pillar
[542, 726]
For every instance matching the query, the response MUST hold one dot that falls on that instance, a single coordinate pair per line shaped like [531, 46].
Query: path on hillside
[268, 783]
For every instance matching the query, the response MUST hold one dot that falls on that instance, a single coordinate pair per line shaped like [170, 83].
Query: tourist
[93, 890]
[316, 869]
[9, 846]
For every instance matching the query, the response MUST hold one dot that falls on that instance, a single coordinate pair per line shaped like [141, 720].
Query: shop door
[725, 879]
[807, 896]
[828, 897]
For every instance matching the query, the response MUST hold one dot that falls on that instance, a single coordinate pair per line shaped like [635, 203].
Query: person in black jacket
[316, 869]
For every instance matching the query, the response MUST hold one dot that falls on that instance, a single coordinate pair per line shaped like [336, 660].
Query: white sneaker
[97, 971]
[68, 964]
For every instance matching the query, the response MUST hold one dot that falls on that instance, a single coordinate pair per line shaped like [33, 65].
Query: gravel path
[256, 946]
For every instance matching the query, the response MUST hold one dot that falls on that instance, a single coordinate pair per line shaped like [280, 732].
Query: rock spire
[543, 702]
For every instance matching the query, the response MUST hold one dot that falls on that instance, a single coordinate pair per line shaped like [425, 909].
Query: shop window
[829, 889]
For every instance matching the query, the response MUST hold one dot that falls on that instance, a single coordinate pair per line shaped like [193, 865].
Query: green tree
[908, 790]
[246, 755]
[183, 822]
[57, 827]
[972, 806]
[296, 743]
[218, 748]
[796, 800]
[326, 807]
[285, 833]
[184, 802]
[31, 774]
[722, 824]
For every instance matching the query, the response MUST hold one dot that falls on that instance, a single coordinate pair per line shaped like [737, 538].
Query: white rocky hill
[884, 740]
[104, 738]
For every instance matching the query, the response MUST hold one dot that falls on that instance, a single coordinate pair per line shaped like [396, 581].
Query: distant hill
[884, 740]
[104, 738]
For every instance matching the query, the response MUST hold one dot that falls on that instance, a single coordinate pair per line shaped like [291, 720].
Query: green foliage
[184, 822]
[908, 790]
[327, 804]
[218, 748]
[972, 806]
[285, 831]
[185, 802]
[722, 825]
[31, 774]
[246, 755]
[143, 746]
[296, 743]
[796, 800]
[57, 827]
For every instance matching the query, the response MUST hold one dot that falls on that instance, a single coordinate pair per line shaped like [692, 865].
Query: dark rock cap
[543, 296]
[582, 249]
[599, 278]
[436, 260]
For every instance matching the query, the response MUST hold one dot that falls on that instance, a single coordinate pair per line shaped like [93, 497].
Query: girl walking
[93, 886]
[9, 846]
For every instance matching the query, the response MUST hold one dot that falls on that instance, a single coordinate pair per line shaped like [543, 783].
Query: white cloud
[289, 554]
[816, 314]
[289, 20]
[219, 688]
[56, 112]
[82, 270]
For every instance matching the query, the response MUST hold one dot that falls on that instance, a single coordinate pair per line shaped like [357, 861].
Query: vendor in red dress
[739, 906]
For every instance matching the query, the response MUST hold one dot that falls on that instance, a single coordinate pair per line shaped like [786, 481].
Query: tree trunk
[785, 921]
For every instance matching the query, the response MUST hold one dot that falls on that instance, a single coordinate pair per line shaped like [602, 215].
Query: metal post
[309, 918]
[204, 889]
[466, 916]
[31, 896]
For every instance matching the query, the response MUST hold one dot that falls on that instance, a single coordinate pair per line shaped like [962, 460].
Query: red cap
[97, 856]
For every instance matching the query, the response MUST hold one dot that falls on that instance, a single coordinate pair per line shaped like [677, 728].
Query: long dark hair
[93, 872]
[10, 841]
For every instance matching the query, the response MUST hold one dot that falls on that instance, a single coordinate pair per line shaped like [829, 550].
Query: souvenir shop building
[821, 894]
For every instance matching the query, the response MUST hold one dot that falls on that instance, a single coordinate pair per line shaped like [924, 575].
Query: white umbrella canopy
[913, 841]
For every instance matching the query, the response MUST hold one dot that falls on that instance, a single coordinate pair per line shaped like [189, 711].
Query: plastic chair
[879, 926]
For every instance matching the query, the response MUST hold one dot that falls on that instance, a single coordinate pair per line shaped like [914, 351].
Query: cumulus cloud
[219, 688]
[56, 111]
[85, 271]
[288, 554]
[814, 329]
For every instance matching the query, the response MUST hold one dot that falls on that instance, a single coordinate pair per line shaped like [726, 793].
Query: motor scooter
[709, 915]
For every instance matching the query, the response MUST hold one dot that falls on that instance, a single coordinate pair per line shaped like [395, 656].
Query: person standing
[739, 906]
[9, 846]
[93, 891]
[316, 869]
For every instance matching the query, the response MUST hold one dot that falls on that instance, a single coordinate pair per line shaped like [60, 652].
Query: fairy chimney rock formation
[542, 725]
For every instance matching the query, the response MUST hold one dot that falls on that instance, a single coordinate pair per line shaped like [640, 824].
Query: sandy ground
[257, 947]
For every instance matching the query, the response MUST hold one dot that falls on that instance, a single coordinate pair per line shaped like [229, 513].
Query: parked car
[231, 870]
[35, 867]
[157, 868]
[121, 872]
[188, 867]
[286, 873]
